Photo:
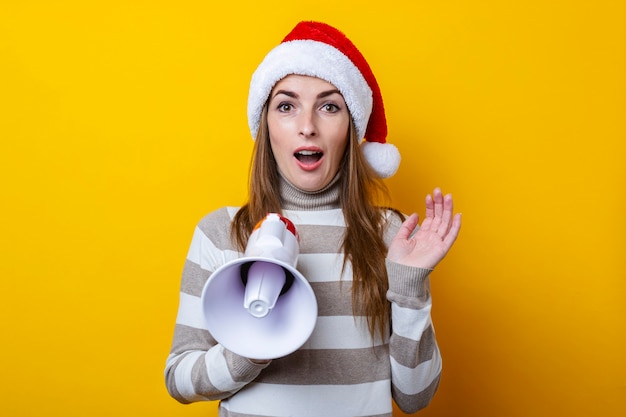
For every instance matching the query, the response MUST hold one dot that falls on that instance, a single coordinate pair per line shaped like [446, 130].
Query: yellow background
[123, 122]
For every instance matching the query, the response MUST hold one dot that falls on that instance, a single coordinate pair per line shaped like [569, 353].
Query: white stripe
[172, 358]
[341, 332]
[190, 311]
[229, 255]
[232, 211]
[312, 400]
[203, 252]
[195, 248]
[316, 218]
[182, 377]
[408, 322]
[323, 267]
[412, 381]
[218, 371]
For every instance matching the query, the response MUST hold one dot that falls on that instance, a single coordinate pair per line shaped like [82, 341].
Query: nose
[307, 124]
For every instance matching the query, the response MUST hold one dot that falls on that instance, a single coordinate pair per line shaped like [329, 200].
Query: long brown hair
[363, 244]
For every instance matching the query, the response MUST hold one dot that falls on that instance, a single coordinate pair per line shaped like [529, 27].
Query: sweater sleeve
[198, 368]
[414, 354]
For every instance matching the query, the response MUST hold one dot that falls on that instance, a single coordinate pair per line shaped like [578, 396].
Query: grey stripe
[320, 239]
[216, 226]
[334, 298]
[170, 384]
[404, 349]
[194, 278]
[413, 403]
[202, 384]
[329, 367]
[189, 338]
[170, 380]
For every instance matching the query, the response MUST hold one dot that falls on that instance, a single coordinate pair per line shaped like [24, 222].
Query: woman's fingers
[430, 213]
[439, 213]
[438, 199]
[434, 211]
[449, 239]
[408, 227]
[446, 216]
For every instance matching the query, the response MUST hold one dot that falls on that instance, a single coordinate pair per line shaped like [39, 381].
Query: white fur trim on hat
[315, 59]
[384, 158]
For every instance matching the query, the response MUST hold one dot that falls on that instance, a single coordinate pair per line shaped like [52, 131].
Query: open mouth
[308, 157]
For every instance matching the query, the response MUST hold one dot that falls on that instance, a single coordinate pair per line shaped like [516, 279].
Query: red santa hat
[319, 50]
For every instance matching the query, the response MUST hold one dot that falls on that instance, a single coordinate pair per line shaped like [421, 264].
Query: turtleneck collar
[293, 198]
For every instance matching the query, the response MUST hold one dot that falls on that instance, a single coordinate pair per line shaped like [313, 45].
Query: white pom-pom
[384, 158]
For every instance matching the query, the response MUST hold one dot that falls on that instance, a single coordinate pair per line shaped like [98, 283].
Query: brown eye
[284, 107]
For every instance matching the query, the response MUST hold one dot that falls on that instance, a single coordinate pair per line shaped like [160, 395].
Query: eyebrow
[294, 95]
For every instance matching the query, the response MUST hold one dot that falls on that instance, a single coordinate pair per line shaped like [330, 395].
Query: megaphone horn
[260, 306]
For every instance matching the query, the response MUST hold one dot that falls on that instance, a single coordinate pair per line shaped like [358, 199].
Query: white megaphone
[260, 306]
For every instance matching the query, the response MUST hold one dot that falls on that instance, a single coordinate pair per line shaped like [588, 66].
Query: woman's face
[308, 123]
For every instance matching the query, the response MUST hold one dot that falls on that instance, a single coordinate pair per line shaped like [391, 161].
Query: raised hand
[427, 246]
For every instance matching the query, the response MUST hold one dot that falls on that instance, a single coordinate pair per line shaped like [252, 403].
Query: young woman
[312, 101]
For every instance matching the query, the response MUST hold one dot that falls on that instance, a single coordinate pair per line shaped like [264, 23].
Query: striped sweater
[340, 371]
